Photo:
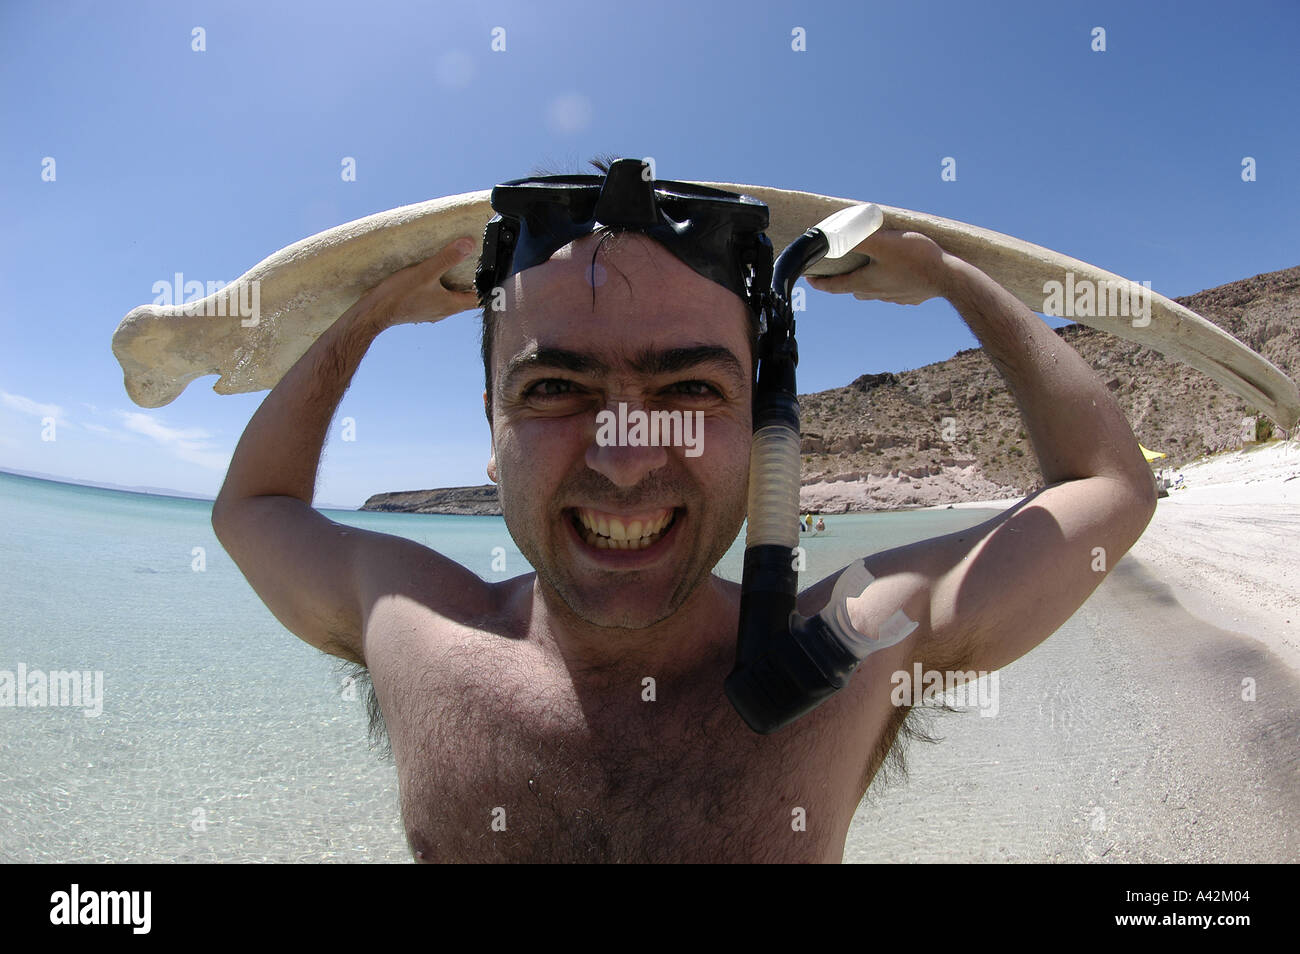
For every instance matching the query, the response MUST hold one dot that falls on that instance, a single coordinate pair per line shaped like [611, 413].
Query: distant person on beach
[821, 524]
[577, 713]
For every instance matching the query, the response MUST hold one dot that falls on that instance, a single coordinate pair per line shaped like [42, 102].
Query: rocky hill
[956, 417]
[950, 431]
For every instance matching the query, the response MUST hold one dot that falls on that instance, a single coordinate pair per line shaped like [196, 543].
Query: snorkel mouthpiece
[787, 664]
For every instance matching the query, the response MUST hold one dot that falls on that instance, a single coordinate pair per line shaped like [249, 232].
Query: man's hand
[417, 294]
[905, 269]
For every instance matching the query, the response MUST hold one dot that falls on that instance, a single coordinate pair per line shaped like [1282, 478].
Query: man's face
[656, 336]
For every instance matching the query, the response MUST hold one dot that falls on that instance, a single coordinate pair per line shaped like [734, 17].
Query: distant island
[462, 501]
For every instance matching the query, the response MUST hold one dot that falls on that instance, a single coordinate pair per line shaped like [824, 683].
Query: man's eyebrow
[675, 360]
[647, 362]
[559, 358]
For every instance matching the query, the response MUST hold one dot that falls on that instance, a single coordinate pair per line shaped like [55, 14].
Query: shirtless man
[519, 712]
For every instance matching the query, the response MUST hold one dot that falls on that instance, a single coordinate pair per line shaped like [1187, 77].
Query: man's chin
[632, 589]
[621, 587]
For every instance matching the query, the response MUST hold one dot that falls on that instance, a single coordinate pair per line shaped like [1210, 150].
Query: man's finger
[836, 284]
[452, 254]
[442, 260]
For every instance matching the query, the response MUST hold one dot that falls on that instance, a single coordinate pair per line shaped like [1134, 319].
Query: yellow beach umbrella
[1151, 455]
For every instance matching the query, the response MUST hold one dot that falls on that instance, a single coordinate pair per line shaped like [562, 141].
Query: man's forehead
[620, 305]
[618, 263]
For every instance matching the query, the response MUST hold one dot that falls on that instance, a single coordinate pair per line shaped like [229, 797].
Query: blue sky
[170, 160]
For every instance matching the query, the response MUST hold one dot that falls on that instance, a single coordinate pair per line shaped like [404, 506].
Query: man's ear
[492, 468]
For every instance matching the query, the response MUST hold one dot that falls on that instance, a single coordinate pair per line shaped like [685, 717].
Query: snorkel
[786, 664]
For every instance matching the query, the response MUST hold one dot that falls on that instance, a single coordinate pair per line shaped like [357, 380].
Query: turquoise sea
[222, 737]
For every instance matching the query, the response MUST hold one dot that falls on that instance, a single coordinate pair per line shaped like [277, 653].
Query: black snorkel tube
[787, 664]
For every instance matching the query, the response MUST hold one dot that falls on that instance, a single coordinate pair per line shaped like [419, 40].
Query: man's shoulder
[399, 572]
[414, 614]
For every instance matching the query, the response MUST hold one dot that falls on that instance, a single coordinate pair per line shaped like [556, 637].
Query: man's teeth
[609, 532]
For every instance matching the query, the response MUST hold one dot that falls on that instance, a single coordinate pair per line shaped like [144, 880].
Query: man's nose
[612, 451]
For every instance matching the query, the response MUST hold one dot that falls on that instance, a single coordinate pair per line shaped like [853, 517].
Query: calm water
[221, 735]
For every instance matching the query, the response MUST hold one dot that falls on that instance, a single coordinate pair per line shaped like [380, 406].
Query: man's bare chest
[512, 762]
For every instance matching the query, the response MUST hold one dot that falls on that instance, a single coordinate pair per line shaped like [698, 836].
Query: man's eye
[550, 387]
[696, 389]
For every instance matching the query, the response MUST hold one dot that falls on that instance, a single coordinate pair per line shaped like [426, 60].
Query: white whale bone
[306, 286]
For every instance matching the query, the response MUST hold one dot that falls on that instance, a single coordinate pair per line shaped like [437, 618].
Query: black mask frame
[719, 234]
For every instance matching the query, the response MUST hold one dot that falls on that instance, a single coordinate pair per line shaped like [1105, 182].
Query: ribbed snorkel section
[774, 488]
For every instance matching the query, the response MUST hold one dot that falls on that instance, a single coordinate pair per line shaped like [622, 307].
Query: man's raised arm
[304, 566]
[985, 596]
